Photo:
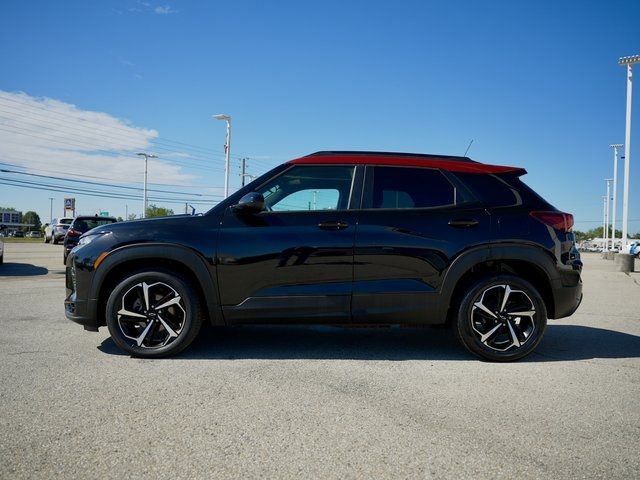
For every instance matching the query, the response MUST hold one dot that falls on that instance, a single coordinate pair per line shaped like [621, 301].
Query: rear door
[413, 222]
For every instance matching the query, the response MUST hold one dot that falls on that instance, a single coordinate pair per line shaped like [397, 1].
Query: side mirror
[252, 202]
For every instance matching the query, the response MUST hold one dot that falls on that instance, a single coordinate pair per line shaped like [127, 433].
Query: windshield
[65, 221]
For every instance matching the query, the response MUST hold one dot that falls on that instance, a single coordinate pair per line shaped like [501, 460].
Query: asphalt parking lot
[289, 402]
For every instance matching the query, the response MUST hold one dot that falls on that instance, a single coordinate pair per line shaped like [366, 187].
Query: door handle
[463, 222]
[333, 225]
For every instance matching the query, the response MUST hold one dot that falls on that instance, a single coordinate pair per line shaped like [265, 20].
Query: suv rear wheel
[154, 314]
[501, 318]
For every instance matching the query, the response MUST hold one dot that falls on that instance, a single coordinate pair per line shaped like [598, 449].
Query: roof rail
[392, 154]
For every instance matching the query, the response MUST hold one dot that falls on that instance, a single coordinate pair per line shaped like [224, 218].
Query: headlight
[86, 239]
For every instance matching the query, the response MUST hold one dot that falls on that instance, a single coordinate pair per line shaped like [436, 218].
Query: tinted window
[399, 187]
[86, 224]
[490, 189]
[309, 188]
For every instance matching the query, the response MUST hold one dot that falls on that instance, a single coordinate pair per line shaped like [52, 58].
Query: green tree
[132, 216]
[155, 211]
[8, 209]
[33, 218]
[119, 219]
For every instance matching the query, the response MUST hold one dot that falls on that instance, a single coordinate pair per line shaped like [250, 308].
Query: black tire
[54, 240]
[472, 323]
[132, 286]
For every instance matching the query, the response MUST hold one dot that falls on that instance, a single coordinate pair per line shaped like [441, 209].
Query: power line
[92, 193]
[105, 184]
[85, 146]
[71, 129]
[73, 175]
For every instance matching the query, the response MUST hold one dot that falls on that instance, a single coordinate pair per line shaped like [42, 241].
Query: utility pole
[227, 150]
[628, 61]
[146, 156]
[51, 199]
[244, 175]
[126, 212]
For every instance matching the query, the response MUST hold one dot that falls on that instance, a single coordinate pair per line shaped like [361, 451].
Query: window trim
[349, 200]
[367, 191]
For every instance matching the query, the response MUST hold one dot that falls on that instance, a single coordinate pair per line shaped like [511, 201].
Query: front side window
[402, 187]
[309, 188]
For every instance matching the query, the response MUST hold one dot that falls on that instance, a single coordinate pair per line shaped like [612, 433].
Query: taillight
[558, 220]
[74, 233]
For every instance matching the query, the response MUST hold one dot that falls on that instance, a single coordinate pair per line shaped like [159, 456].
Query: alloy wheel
[503, 318]
[152, 314]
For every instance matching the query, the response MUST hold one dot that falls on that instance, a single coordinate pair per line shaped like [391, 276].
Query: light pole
[604, 222]
[227, 150]
[146, 156]
[615, 147]
[628, 61]
[606, 215]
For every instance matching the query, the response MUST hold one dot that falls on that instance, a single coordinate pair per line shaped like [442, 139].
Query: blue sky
[534, 84]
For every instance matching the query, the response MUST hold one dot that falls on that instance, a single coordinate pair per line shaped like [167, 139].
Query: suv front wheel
[500, 318]
[154, 314]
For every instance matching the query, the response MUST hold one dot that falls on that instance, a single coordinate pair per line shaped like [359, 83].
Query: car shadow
[561, 343]
[9, 269]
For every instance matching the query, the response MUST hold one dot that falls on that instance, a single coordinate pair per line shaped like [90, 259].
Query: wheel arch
[531, 263]
[170, 257]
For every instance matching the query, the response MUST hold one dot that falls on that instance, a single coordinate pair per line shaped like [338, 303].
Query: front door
[292, 262]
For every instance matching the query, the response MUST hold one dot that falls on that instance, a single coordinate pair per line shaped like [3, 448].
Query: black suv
[341, 238]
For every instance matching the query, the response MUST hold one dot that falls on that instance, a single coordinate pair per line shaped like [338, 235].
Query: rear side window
[400, 187]
[490, 189]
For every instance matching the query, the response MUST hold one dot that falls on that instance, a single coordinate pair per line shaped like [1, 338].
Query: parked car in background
[17, 234]
[634, 249]
[33, 234]
[82, 225]
[56, 230]
[348, 238]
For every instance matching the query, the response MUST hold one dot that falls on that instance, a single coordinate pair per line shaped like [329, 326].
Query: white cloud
[43, 133]
[163, 10]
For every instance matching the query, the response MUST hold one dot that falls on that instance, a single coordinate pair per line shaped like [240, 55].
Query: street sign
[69, 203]
[104, 214]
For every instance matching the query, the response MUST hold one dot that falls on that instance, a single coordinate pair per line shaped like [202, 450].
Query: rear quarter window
[490, 189]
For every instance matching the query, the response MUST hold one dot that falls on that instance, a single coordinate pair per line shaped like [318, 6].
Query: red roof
[452, 164]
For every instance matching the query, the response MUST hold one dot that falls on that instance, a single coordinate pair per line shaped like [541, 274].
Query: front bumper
[77, 307]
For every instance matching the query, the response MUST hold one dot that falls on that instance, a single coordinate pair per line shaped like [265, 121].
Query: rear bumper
[567, 300]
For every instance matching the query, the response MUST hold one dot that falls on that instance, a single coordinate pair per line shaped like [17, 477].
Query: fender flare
[496, 252]
[193, 261]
